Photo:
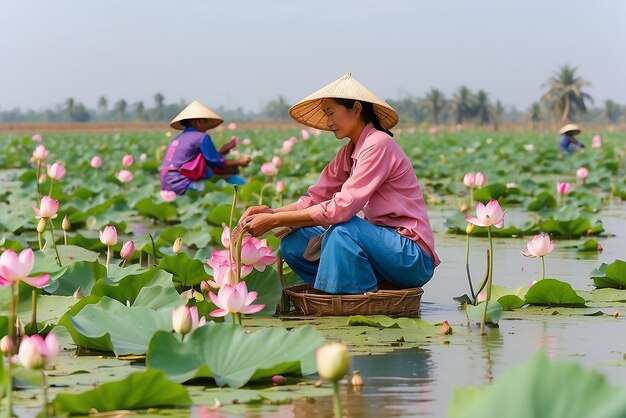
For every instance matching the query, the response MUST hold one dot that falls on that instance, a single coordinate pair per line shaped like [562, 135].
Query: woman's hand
[259, 223]
[244, 161]
[253, 210]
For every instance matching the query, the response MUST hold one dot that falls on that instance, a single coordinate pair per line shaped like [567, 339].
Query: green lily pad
[104, 326]
[552, 292]
[494, 312]
[233, 357]
[187, 271]
[141, 390]
[268, 287]
[570, 228]
[590, 245]
[510, 302]
[81, 274]
[163, 211]
[540, 388]
[610, 275]
[382, 321]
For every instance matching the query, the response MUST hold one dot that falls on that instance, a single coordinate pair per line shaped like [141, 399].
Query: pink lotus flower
[489, 215]
[232, 126]
[124, 176]
[539, 246]
[218, 257]
[305, 134]
[36, 138]
[234, 299]
[56, 171]
[47, 208]
[277, 161]
[582, 173]
[225, 238]
[596, 142]
[108, 236]
[40, 153]
[432, 130]
[128, 250]
[226, 273]
[564, 188]
[472, 179]
[247, 141]
[14, 268]
[37, 353]
[185, 319]
[269, 169]
[532, 283]
[167, 195]
[205, 286]
[287, 148]
[293, 140]
[280, 186]
[127, 160]
[96, 162]
[315, 131]
[256, 253]
[6, 346]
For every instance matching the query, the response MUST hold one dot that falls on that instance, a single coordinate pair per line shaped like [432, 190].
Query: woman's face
[341, 120]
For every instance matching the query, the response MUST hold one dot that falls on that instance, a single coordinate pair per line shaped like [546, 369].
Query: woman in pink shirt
[392, 241]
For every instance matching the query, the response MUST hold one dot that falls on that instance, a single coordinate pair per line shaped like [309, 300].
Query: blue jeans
[356, 256]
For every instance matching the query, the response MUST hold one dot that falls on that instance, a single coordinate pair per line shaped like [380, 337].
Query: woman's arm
[262, 222]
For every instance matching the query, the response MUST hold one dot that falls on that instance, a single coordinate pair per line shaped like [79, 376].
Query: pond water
[418, 382]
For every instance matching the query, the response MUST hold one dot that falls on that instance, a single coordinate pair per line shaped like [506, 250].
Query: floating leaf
[610, 275]
[510, 302]
[233, 357]
[494, 312]
[163, 211]
[540, 388]
[552, 292]
[187, 271]
[148, 389]
[382, 321]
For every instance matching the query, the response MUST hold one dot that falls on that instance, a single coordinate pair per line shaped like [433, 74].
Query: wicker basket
[312, 302]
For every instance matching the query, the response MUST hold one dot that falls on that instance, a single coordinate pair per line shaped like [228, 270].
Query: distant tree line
[564, 100]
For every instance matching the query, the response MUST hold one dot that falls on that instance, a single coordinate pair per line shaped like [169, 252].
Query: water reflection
[397, 385]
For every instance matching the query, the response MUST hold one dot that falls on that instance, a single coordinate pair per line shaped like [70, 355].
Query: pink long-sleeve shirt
[374, 176]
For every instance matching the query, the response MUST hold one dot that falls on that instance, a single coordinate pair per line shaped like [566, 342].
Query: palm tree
[535, 114]
[158, 102]
[120, 109]
[497, 112]
[102, 106]
[140, 110]
[565, 95]
[435, 102]
[482, 106]
[70, 108]
[462, 103]
[612, 112]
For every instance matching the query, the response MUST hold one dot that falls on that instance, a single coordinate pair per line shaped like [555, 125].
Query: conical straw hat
[308, 111]
[570, 127]
[196, 110]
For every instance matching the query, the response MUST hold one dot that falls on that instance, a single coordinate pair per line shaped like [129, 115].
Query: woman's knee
[350, 227]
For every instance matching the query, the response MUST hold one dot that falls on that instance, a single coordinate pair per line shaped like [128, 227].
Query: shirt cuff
[317, 213]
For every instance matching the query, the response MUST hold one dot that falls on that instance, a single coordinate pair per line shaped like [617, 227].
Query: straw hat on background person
[309, 112]
[196, 110]
[571, 128]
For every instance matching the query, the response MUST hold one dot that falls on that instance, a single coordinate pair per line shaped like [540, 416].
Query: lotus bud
[78, 293]
[446, 329]
[464, 208]
[41, 225]
[108, 236]
[6, 346]
[357, 379]
[279, 380]
[469, 228]
[20, 328]
[332, 361]
[204, 286]
[182, 321]
[32, 352]
[178, 245]
[66, 224]
[615, 315]
[128, 250]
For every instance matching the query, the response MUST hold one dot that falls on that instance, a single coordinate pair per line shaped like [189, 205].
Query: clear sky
[244, 53]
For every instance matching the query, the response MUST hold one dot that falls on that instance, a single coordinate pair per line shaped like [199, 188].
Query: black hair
[367, 112]
[186, 123]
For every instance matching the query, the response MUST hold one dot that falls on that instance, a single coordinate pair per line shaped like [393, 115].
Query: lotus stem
[39, 239]
[543, 268]
[232, 208]
[108, 257]
[467, 267]
[54, 244]
[12, 337]
[45, 394]
[64, 237]
[471, 197]
[153, 249]
[33, 314]
[337, 400]
[51, 184]
[37, 180]
[265, 184]
[483, 283]
[489, 282]
[238, 253]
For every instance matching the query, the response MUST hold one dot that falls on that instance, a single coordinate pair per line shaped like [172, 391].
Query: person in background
[569, 144]
[193, 150]
[330, 246]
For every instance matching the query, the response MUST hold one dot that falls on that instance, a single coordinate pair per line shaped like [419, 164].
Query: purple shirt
[374, 176]
[182, 149]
